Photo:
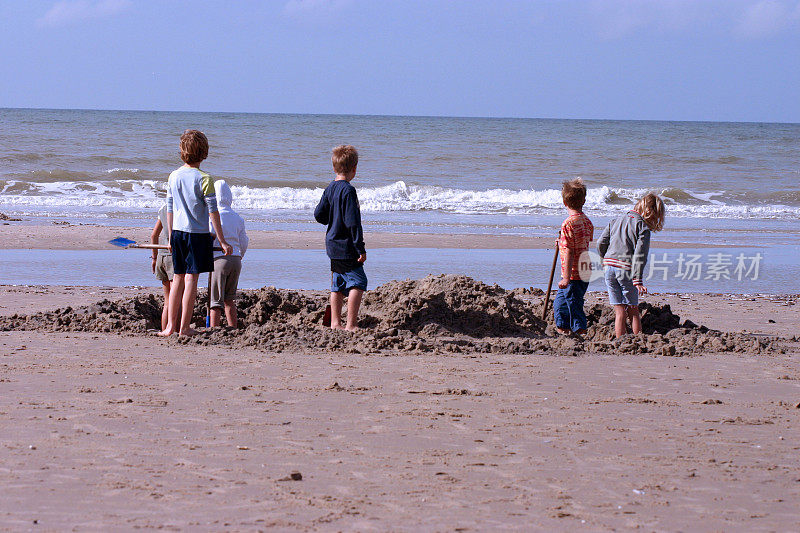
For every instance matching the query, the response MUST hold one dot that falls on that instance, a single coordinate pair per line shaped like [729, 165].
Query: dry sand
[119, 431]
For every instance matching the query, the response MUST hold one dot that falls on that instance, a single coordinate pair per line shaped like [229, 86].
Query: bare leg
[620, 321]
[636, 319]
[216, 317]
[231, 314]
[353, 304]
[165, 311]
[337, 298]
[189, 297]
[175, 297]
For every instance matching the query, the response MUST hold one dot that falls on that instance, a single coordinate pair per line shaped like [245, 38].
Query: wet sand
[65, 236]
[108, 431]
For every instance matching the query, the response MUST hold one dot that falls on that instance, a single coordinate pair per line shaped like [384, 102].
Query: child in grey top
[624, 247]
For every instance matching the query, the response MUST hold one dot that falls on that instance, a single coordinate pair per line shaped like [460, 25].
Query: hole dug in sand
[446, 313]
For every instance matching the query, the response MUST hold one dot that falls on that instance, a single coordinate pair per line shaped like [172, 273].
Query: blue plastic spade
[122, 242]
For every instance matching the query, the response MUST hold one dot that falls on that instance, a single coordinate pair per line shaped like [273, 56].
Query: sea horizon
[392, 115]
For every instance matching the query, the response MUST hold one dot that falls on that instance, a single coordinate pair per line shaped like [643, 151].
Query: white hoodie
[232, 223]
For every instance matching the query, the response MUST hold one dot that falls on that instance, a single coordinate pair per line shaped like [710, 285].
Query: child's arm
[569, 259]
[227, 249]
[169, 230]
[639, 259]
[322, 212]
[170, 204]
[352, 219]
[154, 240]
[210, 199]
[566, 241]
[244, 240]
[605, 239]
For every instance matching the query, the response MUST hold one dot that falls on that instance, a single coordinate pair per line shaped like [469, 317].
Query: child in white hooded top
[225, 279]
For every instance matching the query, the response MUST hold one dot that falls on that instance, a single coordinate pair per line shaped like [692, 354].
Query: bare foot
[563, 331]
[188, 333]
[351, 329]
[580, 332]
[336, 326]
[165, 333]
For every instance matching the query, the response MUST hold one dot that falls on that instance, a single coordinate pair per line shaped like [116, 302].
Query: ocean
[724, 183]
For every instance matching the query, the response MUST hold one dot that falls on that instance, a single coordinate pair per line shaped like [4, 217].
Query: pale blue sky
[622, 59]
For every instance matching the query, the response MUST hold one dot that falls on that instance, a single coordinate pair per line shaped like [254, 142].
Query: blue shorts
[355, 279]
[621, 290]
[192, 253]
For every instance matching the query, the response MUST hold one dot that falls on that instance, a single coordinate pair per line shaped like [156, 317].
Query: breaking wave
[132, 194]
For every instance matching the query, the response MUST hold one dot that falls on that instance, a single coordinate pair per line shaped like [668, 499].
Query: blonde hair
[194, 147]
[344, 159]
[573, 193]
[652, 209]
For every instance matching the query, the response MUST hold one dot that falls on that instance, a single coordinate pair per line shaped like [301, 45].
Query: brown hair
[651, 207]
[344, 159]
[574, 193]
[194, 147]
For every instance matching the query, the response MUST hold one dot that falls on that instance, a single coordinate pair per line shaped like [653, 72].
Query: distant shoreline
[383, 115]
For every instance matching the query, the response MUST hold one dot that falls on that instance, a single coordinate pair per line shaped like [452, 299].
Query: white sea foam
[117, 170]
[133, 195]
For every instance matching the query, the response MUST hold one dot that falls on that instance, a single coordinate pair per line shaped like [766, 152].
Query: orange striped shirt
[577, 232]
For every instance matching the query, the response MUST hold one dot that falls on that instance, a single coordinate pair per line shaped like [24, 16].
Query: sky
[720, 60]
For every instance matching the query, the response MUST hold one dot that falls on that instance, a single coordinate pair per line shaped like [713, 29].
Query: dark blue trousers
[568, 306]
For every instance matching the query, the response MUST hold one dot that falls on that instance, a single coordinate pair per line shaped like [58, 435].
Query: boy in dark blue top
[344, 240]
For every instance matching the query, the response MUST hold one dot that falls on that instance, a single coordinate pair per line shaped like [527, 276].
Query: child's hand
[362, 258]
[563, 283]
[642, 289]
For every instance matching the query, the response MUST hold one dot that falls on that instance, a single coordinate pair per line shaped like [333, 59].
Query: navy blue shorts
[192, 253]
[355, 279]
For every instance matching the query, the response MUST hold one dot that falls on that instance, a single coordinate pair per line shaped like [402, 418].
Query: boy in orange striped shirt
[577, 232]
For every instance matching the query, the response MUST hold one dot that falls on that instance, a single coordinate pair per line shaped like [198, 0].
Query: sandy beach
[442, 167]
[432, 428]
[122, 431]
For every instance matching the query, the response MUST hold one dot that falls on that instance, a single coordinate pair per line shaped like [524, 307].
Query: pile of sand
[451, 305]
[438, 313]
[135, 315]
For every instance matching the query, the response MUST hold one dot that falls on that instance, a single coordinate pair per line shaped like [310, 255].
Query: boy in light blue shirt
[191, 204]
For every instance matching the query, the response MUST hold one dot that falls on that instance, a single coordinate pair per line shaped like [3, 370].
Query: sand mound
[455, 305]
[136, 315]
[437, 313]
[269, 305]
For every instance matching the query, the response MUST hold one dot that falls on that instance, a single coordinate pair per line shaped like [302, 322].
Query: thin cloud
[615, 19]
[68, 12]
[767, 18]
[618, 18]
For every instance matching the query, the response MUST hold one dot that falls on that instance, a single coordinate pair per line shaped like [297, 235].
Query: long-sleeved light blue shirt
[190, 198]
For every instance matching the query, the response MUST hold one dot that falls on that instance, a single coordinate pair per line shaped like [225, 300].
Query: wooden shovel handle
[162, 247]
[550, 283]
